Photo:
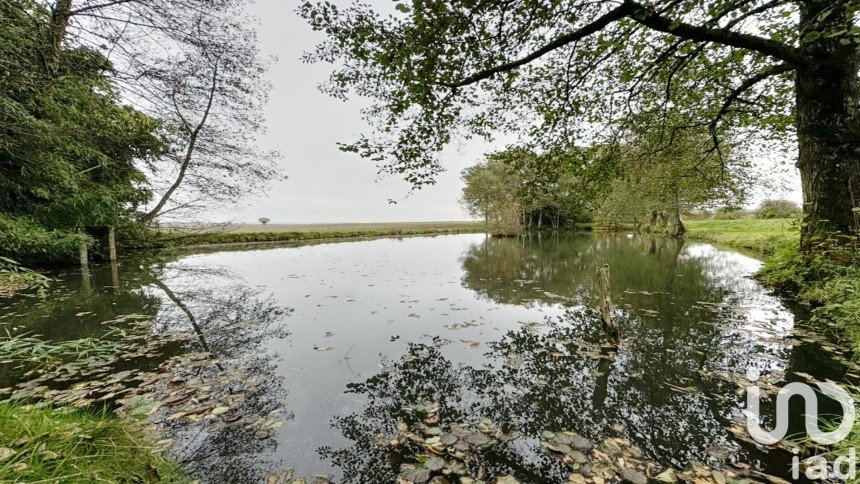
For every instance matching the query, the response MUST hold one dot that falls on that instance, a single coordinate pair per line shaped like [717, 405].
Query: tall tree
[69, 147]
[573, 70]
[194, 64]
[660, 185]
[211, 96]
[490, 192]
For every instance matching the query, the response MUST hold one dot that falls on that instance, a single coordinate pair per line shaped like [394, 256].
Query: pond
[312, 356]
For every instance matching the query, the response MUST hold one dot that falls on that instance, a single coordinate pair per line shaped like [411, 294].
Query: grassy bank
[832, 289]
[243, 236]
[764, 236]
[42, 444]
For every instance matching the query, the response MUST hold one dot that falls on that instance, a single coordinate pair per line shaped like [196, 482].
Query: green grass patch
[765, 236]
[39, 443]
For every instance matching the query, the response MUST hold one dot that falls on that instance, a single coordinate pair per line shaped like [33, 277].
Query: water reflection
[691, 318]
[489, 328]
[215, 325]
[537, 270]
[230, 323]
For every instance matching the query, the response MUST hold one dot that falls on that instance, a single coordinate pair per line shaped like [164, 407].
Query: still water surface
[340, 337]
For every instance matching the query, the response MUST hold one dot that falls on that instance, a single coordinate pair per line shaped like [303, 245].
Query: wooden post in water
[111, 244]
[85, 266]
[82, 252]
[606, 304]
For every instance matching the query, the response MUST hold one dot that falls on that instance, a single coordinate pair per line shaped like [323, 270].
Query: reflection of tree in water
[524, 270]
[665, 385]
[230, 322]
[216, 326]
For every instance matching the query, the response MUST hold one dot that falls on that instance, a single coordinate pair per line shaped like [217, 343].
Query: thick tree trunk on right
[828, 130]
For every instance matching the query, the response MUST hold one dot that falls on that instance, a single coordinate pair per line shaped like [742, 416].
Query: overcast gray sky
[324, 184]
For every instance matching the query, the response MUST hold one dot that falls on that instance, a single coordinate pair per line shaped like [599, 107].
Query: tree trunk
[828, 128]
[653, 223]
[83, 256]
[60, 14]
[112, 244]
[676, 227]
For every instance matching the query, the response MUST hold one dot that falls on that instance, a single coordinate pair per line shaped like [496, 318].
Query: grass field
[764, 236]
[354, 227]
[187, 235]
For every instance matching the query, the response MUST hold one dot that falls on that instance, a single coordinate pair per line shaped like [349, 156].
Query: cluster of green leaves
[672, 179]
[13, 277]
[558, 73]
[517, 188]
[68, 147]
[778, 208]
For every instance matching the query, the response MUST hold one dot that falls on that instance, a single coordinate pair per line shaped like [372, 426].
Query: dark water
[339, 337]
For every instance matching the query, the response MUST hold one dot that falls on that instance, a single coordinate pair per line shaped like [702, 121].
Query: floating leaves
[441, 452]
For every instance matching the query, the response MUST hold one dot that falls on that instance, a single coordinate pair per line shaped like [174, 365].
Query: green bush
[26, 241]
[778, 209]
[733, 214]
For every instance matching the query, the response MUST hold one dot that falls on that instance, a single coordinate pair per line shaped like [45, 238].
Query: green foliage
[14, 278]
[28, 241]
[517, 188]
[41, 443]
[730, 213]
[490, 193]
[778, 209]
[68, 147]
[655, 180]
[560, 74]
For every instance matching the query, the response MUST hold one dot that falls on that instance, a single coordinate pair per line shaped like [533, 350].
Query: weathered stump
[606, 304]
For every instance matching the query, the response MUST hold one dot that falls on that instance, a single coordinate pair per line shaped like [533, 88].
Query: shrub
[778, 209]
[26, 241]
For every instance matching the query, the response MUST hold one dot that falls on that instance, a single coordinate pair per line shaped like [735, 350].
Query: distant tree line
[623, 185]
